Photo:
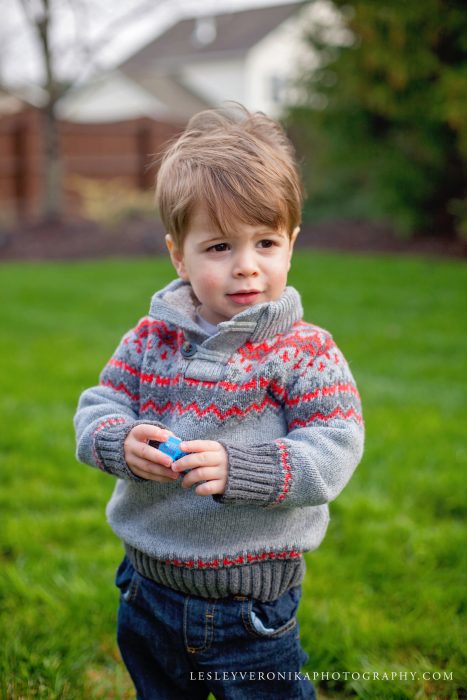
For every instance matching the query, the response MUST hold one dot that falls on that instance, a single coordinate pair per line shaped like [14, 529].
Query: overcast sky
[89, 18]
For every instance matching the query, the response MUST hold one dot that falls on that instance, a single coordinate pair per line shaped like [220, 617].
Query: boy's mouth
[245, 296]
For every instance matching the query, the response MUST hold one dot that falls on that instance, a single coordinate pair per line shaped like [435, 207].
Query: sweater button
[188, 349]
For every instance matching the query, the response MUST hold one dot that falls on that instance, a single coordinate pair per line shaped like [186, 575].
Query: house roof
[15, 99]
[108, 98]
[180, 100]
[198, 38]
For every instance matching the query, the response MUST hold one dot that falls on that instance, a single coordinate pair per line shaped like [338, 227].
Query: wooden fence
[97, 151]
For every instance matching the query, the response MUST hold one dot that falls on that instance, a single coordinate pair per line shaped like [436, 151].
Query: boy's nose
[245, 266]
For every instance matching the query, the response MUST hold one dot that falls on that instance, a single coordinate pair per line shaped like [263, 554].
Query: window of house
[277, 88]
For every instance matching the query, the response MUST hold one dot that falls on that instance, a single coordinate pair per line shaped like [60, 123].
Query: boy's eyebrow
[272, 232]
[262, 232]
[214, 237]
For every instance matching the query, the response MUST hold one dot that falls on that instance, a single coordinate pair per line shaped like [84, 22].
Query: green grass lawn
[384, 593]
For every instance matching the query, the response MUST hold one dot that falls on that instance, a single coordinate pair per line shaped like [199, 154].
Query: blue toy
[169, 447]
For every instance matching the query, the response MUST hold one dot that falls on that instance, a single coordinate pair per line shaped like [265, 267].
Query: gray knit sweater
[276, 392]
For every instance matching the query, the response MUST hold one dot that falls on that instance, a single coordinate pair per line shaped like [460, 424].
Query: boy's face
[229, 274]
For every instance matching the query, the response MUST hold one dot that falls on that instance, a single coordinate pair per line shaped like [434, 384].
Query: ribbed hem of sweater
[265, 581]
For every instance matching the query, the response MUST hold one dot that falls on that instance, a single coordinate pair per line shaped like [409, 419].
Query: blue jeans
[179, 647]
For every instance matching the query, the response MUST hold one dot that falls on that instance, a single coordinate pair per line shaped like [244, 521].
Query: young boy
[267, 410]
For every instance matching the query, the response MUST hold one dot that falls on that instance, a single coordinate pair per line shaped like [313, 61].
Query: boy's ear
[293, 238]
[176, 257]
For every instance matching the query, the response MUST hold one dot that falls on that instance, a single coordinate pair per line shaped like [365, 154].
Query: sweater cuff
[109, 439]
[253, 476]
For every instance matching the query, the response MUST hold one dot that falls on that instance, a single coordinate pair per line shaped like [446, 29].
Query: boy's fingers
[200, 459]
[210, 488]
[152, 454]
[145, 431]
[201, 474]
[149, 470]
[199, 445]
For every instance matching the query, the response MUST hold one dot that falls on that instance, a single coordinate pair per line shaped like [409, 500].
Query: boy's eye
[219, 247]
[266, 243]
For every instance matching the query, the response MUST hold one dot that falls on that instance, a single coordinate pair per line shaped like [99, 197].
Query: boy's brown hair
[239, 165]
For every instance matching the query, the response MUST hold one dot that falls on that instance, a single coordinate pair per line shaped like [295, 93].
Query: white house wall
[217, 81]
[281, 55]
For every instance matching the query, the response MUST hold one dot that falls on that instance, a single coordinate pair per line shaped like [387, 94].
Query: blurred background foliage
[381, 128]
[113, 201]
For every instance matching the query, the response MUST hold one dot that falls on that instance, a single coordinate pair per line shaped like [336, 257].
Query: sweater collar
[177, 304]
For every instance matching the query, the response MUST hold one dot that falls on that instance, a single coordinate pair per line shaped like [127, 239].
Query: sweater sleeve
[106, 413]
[324, 444]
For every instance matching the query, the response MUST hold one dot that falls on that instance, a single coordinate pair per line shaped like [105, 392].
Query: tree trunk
[52, 174]
[52, 187]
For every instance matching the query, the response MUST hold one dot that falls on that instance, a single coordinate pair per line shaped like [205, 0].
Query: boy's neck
[207, 326]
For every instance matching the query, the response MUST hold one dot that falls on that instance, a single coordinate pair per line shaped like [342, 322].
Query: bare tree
[81, 52]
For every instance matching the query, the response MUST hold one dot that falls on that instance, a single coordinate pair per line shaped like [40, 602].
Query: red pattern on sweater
[212, 408]
[250, 385]
[177, 378]
[330, 390]
[338, 412]
[235, 410]
[287, 472]
[146, 327]
[304, 337]
[226, 561]
[120, 387]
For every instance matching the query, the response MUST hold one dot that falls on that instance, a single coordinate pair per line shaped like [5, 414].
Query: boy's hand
[208, 462]
[145, 461]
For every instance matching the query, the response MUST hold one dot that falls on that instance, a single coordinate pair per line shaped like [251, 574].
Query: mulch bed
[89, 240]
